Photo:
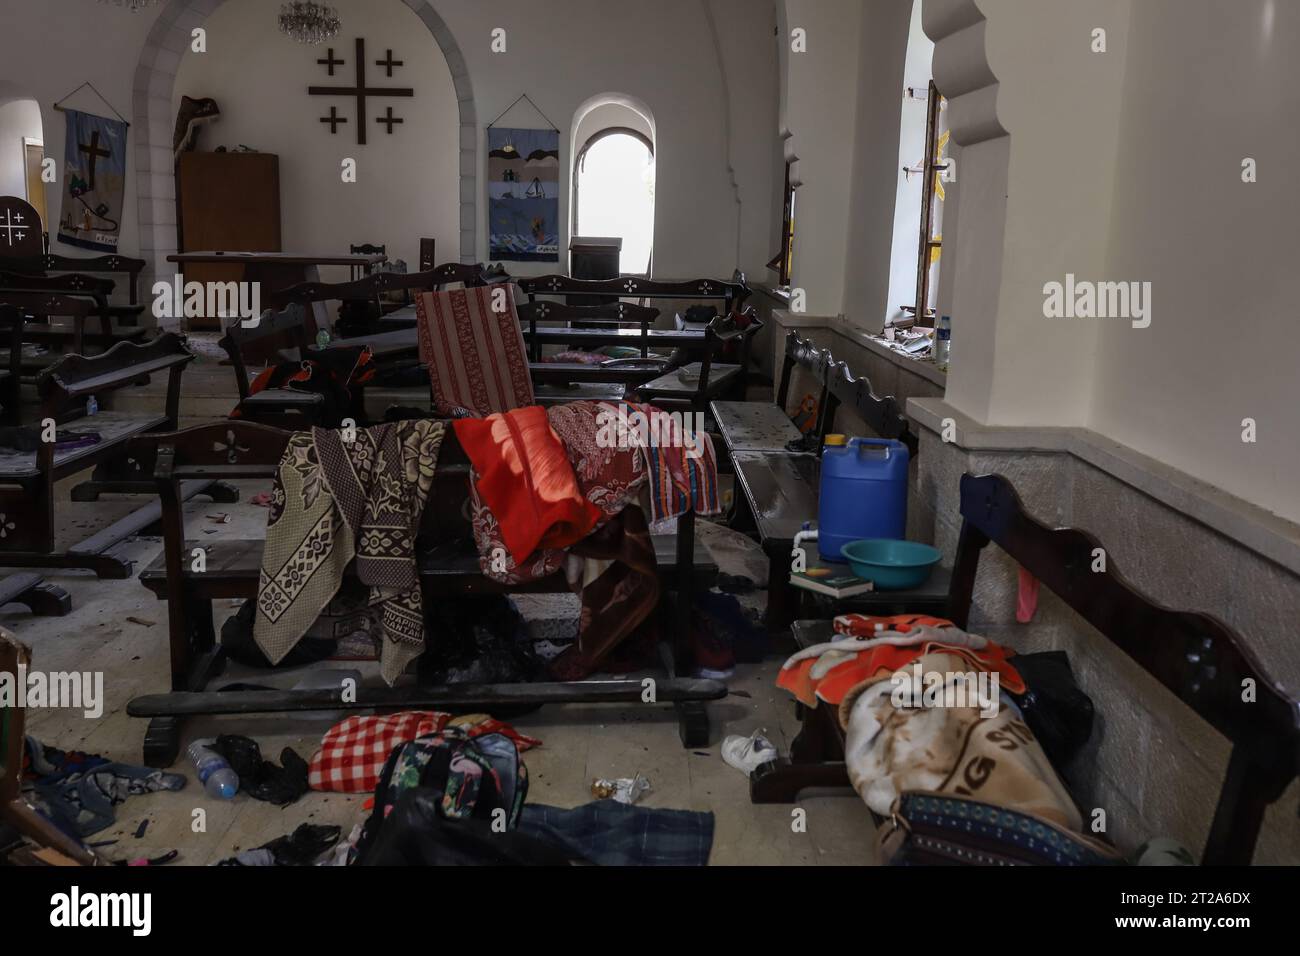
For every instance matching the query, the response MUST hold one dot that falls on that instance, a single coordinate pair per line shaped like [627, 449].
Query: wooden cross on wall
[93, 152]
[362, 93]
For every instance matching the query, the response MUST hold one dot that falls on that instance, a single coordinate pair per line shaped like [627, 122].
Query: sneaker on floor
[746, 753]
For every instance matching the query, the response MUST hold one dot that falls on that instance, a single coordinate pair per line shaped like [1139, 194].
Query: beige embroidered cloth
[335, 500]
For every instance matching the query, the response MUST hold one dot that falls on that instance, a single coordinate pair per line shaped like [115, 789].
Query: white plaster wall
[407, 183]
[1205, 89]
[1060, 103]
[876, 173]
[820, 112]
[19, 119]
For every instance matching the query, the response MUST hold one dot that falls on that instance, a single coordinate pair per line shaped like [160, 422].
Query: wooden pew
[28, 479]
[1198, 658]
[448, 567]
[759, 426]
[73, 285]
[53, 266]
[781, 490]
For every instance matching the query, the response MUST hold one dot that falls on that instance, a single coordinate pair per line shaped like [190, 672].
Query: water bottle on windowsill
[943, 341]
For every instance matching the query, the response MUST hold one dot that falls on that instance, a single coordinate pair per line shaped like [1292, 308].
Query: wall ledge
[1262, 531]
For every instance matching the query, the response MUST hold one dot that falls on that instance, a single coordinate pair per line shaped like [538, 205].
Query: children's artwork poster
[524, 194]
[94, 177]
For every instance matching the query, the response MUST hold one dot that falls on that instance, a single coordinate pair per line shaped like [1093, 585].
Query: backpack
[474, 778]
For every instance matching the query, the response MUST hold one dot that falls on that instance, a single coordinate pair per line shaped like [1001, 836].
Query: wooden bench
[1198, 658]
[781, 489]
[28, 479]
[448, 567]
[759, 426]
[54, 266]
[73, 284]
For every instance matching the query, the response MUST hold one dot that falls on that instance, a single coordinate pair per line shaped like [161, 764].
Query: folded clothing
[523, 474]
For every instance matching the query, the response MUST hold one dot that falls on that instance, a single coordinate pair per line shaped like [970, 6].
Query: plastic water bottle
[943, 341]
[92, 406]
[217, 777]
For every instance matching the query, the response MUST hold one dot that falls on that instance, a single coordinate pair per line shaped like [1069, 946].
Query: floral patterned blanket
[341, 494]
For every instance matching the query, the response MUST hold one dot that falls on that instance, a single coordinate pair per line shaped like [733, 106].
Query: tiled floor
[579, 742]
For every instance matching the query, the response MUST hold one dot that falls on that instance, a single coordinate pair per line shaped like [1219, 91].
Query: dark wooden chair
[427, 257]
[780, 490]
[28, 479]
[14, 809]
[281, 407]
[366, 249]
[1198, 658]
[448, 567]
[23, 231]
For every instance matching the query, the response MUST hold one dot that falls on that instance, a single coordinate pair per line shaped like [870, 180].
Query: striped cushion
[476, 357]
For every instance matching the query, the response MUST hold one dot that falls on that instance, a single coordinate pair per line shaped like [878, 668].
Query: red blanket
[523, 474]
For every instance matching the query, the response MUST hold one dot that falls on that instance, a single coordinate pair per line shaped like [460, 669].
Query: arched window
[614, 193]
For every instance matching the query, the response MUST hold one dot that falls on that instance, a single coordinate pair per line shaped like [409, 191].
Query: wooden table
[274, 270]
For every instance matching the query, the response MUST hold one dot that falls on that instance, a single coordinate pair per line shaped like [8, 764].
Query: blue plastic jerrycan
[863, 492]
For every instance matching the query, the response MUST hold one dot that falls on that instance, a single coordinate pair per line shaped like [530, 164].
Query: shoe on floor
[746, 753]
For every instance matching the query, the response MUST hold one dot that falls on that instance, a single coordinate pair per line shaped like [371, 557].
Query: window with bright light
[614, 194]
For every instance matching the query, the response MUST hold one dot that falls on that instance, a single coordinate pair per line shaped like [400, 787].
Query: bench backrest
[290, 323]
[72, 282]
[24, 236]
[805, 354]
[12, 320]
[1202, 661]
[732, 293]
[371, 287]
[884, 415]
[109, 264]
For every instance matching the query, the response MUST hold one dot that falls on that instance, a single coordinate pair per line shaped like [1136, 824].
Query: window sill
[918, 365]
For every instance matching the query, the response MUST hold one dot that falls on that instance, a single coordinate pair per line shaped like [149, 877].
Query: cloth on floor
[609, 833]
[259, 778]
[726, 628]
[481, 640]
[829, 672]
[957, 748]
[476, 357]
[334, 373]
[353, 752]
[77, 791]
[613, 568]
[415, 833]
[335, 500]
[522, 473]
[303, 847]
[870, 625]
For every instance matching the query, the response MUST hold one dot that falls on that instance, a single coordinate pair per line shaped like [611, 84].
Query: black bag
[1054, 706]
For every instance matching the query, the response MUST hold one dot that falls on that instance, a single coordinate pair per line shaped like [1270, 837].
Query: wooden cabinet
[228, 202]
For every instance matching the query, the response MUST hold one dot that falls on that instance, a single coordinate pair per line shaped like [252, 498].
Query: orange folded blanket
[523, 474]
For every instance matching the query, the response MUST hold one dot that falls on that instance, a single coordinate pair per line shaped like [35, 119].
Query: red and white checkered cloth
[352, 753]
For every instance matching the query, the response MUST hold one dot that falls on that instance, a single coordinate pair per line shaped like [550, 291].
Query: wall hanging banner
[94, 177]
[524, 194]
